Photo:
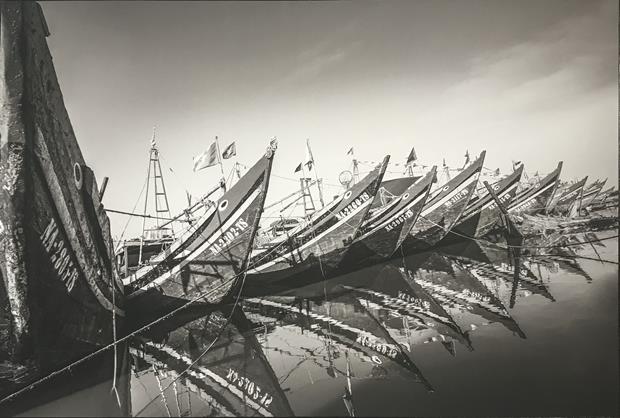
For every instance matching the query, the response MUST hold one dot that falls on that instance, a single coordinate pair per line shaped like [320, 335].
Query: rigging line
[577, 256]
[126, 337]
[217, 337]
[133, 210]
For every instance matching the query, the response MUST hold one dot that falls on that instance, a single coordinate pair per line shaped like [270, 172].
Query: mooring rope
[118, 341]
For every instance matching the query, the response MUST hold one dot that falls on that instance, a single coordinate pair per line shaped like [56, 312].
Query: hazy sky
[534, 81]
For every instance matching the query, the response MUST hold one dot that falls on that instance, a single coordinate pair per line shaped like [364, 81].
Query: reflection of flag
[298, 169]
[412, 157]
[206, 159]
[350, 152]
[230, 151]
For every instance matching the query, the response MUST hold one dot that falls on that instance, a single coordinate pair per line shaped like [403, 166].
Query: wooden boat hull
[56, 267]
[442, 211]
[320, 247]
[210, 259]
[383, 235]
[536, 199]
[481, 214]
[562, 203]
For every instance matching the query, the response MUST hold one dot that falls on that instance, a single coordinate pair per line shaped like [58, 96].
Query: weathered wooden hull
[481, 214]
[320, 247]
[210, 259]
[537, 198]
[55, 244]
[381, 236]
[443, 210]
[590, 194]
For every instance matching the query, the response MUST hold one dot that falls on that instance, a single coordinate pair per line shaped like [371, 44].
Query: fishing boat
[443, 208]
[535, 198]
[217, 357]
[482, 212]
[317, 247]
[62, 295]
[564, 202]
[385, 230]
[590, 193]
[209, 259]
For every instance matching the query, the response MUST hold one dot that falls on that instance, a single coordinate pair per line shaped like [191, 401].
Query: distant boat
[317, 246]
[590, 193]
[444, 208]
[563, 202]
[58, 280]
[482, 213]
[536, 198]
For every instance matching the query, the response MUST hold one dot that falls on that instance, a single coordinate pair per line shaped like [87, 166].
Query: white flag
[207, 159]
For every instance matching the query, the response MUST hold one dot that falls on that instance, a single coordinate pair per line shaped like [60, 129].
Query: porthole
[77, 176]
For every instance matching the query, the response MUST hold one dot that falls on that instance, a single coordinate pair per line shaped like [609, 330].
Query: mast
[319, 182]
[160, 196]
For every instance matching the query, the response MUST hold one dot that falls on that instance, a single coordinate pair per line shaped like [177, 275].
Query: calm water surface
[445, 333]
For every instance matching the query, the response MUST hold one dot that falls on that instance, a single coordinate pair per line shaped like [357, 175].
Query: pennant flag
[350, 152]
[412, 156]
[497, 172]
[444, 162]
[309, 156]
[467, 157]
[207, 159]
[298, 169]
[230, 151]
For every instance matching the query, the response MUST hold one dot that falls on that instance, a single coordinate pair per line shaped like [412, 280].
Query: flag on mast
[230, 151]
[350, 152]
[412, 156]
[309, 157]
[466, 156]
[298, 169]
[208, 158]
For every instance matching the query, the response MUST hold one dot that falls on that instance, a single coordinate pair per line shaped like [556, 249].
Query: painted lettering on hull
[59, 254]
[393, 224]
[359, 201]
[229, 236]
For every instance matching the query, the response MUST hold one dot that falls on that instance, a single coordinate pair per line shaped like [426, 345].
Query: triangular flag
[298, 169]
[206, 159]
[350, 152]
[230, 151]
[412, 156]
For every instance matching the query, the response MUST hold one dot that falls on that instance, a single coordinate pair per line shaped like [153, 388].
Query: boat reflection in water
[364, 341]
[399, 338]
